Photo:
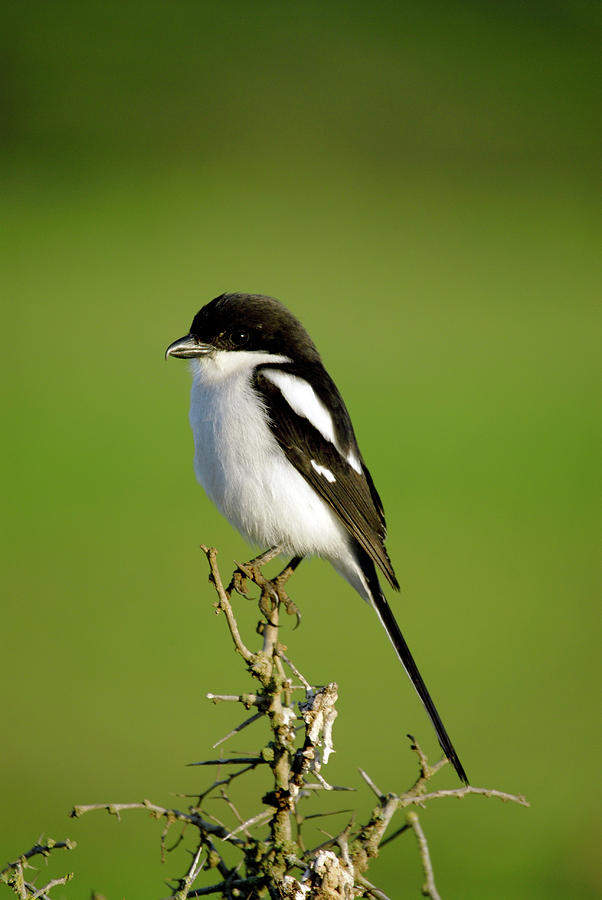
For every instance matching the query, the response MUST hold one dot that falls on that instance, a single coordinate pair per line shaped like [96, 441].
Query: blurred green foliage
[416, 182]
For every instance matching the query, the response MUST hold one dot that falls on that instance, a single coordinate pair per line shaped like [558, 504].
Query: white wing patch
[303, 400]
[354, 462]
[322, 470]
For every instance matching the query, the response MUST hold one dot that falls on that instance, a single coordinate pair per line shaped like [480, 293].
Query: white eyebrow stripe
[303, 400]
[322, 470]
[223, 364]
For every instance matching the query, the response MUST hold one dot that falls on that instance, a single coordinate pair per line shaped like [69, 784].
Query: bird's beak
[188, 347]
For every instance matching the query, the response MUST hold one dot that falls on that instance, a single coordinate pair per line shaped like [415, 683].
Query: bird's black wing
[350, 493]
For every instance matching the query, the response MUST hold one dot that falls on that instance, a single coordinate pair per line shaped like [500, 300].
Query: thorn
[371, 784]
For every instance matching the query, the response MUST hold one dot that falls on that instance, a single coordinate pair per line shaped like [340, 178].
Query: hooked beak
[188, 347]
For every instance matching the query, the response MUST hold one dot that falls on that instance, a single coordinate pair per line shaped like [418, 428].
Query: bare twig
[247, 700]
[295, 671]
[44, 891]
[183, 890]
[461, 792]
[174, 815]
[224, 603]
[429, 889]
[308, 786]
[371, 890]
[259, 819]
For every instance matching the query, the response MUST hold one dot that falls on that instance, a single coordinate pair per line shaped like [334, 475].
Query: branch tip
[296, 751]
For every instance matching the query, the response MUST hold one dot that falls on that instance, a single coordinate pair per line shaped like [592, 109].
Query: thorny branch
[13, 874]
[257, 855]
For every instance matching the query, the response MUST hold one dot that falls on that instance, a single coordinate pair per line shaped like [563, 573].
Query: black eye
[239, 338]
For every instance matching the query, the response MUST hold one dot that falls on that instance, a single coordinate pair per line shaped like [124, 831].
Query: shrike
[276, 452]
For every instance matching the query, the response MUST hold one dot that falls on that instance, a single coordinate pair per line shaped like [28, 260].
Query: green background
[416, 182]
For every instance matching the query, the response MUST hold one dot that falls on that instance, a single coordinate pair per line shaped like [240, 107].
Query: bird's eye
[239, 338]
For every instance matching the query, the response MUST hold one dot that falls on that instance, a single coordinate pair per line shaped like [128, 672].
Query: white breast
[244, 471]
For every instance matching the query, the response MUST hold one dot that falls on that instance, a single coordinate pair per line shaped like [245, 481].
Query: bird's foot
[251, 571]
[279, 581]
[273, 595]
[240, 579]
[290, 606]
[268, 598]
[272, 589]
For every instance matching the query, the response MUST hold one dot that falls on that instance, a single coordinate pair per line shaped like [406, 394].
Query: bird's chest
[236, 455]
[244, 471]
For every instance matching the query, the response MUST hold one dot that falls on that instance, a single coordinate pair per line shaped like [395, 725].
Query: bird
[276, 452]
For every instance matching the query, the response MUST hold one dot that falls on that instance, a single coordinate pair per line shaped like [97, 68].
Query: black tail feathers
[407, 660]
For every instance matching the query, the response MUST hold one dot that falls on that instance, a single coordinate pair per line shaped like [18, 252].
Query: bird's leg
[279, 581]
[288, 570]
[264, 558]
[252, 569]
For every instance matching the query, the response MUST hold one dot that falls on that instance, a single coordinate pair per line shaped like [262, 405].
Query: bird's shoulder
[308, 417]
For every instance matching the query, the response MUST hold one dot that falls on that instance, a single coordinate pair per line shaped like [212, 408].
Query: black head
[246, 322]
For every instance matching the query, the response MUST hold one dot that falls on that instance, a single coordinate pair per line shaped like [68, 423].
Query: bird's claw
[239, 583]
[290, 606]
[268, 601]
[292, 610]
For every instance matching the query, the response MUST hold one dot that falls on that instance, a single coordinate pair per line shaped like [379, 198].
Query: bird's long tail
[387, 618]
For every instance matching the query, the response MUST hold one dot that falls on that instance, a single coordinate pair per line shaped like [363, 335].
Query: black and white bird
[276, 452]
